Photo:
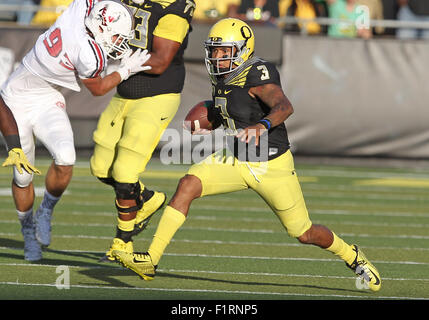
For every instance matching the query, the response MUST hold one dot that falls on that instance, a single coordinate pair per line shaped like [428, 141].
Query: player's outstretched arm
[130, 64]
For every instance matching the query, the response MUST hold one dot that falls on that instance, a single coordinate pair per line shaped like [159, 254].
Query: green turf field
[231, 246]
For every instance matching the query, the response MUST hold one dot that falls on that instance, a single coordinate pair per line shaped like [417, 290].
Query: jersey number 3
[228, 122]
[265, 74]
[141, 36]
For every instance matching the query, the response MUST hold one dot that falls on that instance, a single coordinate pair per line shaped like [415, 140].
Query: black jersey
[235, 109]
[146, 17]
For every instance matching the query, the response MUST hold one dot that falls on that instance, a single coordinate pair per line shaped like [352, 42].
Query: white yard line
[218, 256]
[220, 242]
[250, 220]
[287, 294]
[266, 274]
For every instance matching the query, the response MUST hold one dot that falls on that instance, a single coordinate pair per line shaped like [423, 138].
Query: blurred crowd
[274, 12]
[45, 16]
[352, 16]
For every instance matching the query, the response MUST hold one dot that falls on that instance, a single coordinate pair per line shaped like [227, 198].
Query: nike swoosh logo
[377, 280]
[164, 118]
[148, 6]
[227, 91]
[136, 261]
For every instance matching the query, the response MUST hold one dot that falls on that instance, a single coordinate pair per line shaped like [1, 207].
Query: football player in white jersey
[75, 49]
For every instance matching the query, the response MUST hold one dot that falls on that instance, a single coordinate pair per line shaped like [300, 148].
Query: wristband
[266, 123]
[12, 141]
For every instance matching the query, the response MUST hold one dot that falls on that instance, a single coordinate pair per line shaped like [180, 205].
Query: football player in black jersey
[131, 126]
[249, 102]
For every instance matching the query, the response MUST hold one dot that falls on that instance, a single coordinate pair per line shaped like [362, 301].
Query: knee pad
[22, 180]
[128, 191]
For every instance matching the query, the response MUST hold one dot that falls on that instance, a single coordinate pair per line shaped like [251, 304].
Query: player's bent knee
[65, 155]
[101, 161]
[190, 185]
[22, 180]
[305, 238]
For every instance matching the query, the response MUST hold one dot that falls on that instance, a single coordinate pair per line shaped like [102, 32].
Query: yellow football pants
[275, 181]
[128, 132]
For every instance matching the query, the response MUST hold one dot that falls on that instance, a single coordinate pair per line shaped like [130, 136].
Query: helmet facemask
[116, 45]
[238, 50]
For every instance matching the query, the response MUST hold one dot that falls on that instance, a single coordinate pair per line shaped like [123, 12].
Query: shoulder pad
[262, 72]
[182, 8]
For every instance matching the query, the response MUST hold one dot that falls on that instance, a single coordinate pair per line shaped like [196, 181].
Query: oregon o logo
[246, 32]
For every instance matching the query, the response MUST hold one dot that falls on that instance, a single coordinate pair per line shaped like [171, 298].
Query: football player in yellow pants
[248, 99]
[132, 124]
[127, 134]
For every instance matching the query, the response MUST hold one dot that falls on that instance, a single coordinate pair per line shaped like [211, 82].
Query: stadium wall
[351, 97]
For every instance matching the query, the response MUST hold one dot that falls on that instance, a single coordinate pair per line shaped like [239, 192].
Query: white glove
[132, 63]
[112, 66]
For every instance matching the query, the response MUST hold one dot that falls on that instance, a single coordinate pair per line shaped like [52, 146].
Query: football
[197, 117]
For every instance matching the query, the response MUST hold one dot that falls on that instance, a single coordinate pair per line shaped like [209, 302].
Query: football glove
[132, 63]
[18, 159]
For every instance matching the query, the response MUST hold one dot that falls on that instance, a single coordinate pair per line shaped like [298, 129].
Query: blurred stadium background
[360, 99]
[358, 95]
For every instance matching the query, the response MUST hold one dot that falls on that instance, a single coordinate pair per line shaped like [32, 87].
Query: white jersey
[65, 51]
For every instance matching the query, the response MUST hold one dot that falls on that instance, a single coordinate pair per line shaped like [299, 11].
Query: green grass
[231, 246]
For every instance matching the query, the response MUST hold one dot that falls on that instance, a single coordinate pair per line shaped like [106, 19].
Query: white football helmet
[112, 25]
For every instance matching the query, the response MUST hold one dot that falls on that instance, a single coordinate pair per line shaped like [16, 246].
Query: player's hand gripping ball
[197, 120]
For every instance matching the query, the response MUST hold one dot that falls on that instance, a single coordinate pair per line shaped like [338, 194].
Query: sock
[124, 229]
[25, 217]
[49, 201]
[342, 249]
[171, 221]
[125, 236]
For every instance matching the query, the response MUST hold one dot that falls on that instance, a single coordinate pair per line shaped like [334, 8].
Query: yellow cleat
[150, 207]
[365, 270]
[118, 245]
[139, 262]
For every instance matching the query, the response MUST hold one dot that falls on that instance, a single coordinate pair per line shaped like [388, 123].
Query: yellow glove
[18, 159]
